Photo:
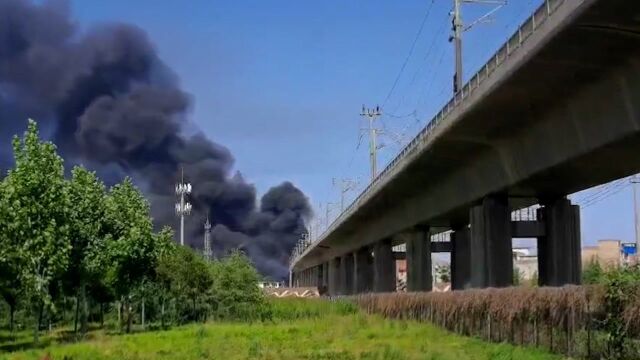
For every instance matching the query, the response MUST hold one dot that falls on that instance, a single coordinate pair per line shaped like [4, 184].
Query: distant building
[610, 253]
[526, 261]
[606, 253]
[270, 284]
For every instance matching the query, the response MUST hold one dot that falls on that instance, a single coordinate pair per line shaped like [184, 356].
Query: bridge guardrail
[528, 27]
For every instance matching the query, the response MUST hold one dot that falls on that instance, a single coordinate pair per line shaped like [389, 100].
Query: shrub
[235, 291]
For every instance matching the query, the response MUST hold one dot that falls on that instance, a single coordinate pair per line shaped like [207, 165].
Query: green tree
[236, 294]
[518, 276]
[129, 253]
[593, 273]
[620, 285]
[10, 285]
[188, 278]
[36, 229]
[87, 194]
[443, 273]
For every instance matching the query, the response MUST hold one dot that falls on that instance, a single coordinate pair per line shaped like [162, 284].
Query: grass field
[334, 336]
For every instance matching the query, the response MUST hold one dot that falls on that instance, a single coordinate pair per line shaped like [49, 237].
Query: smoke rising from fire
[107, 100]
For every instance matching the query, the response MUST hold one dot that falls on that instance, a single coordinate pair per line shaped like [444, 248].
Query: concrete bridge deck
[554, 111]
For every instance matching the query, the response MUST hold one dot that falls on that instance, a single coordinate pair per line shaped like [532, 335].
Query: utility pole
[345, 185]
[457, 44]
[459, 28]
[183, 207]
[634, 182]
[372, 115]
[327, 212]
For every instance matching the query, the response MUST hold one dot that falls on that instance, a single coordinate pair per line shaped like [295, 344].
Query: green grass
[334, 336]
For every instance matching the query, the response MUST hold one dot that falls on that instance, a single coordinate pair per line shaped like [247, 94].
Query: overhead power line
[406, 60]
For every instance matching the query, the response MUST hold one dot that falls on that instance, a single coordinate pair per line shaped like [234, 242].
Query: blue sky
[281, 83]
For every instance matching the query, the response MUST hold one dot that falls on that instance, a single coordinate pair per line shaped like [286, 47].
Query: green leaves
[36, 214]
[73, 232]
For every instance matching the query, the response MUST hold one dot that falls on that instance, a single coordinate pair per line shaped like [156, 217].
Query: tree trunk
[38, 321]
[102, 314]
[162, 313]
[195, 317]
[142, 314]
[85, 308]
[12, 313]
[120, 314]
[129, 316]
[75, 317]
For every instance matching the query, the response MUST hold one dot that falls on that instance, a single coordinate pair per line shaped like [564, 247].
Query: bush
[235, 292]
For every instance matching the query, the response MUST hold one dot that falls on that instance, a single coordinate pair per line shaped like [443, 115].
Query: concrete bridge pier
[346, 275]
[305, 277]
[334, 276]
[559, 261]
[363, 271]
[419, 260]
[491, 257]
[319, 276]
[461, 258]
[325, 276]
[384, 267]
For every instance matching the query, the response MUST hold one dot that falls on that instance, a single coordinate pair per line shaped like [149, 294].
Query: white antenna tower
[183, 207]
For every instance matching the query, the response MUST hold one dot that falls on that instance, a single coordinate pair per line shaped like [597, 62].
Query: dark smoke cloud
[110, 103]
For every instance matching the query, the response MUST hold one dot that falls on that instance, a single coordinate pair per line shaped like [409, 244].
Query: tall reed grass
[570, 320]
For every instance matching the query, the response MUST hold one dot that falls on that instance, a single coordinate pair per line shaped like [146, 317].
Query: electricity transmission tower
[345, 186]
[372, 115]
[183, 208]
[459, 28]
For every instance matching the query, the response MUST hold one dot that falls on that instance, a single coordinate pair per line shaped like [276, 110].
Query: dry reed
[553, 317]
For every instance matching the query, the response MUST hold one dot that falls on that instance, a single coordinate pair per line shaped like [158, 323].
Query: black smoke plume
[107, 100]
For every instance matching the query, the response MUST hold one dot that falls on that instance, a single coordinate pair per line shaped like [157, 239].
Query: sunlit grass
[335, 336]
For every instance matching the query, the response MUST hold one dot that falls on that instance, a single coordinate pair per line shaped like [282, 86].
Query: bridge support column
[559, 261]
[384, 267]
[363, 271]
[491, 258]
[346, 274]
[318, 276]
[325, 278]
[461, 258]
[419, 260]
[334, 276]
